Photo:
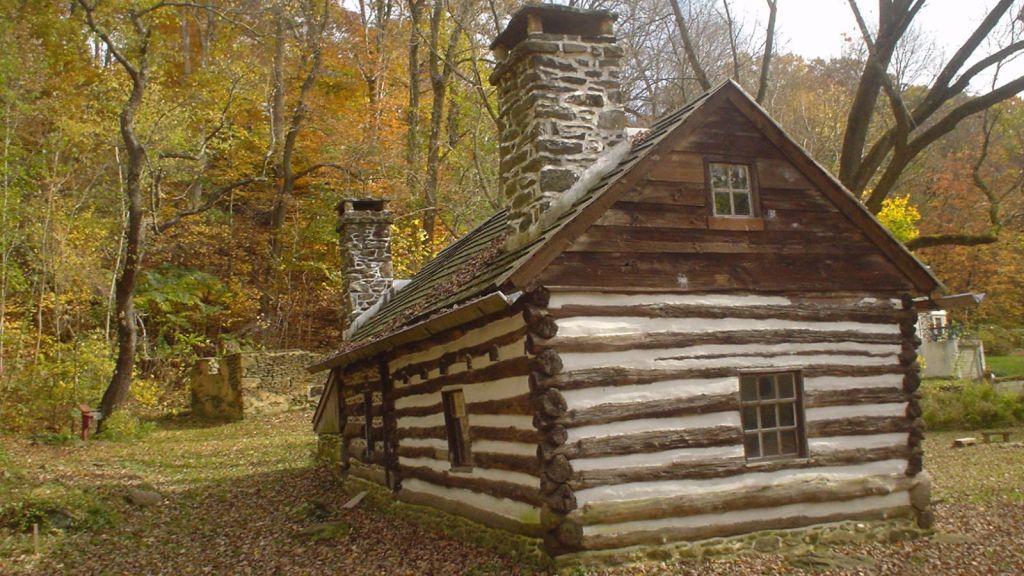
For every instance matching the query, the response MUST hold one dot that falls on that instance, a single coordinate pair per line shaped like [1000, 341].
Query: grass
[239, 496]
[71, 490]
[1004, 366]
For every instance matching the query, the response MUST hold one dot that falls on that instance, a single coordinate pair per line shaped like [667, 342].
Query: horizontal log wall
[651, 418]
[661, 233]
[354, 383]
[488, 363]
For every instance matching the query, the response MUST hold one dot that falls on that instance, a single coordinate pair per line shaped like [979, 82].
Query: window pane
[748, 389]
[787, 415]
[771, 444]
[722, 205]
[789, 442]
[768, 416]
[719, 176]
[766, 389]
[739, 178]
[749, 417]
[741, 200]
[785, 385]
[751, 446]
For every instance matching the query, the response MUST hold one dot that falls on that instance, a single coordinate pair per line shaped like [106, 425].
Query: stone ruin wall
[248, 383]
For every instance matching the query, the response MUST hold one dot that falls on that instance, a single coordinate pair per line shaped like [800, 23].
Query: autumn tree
[134, 53]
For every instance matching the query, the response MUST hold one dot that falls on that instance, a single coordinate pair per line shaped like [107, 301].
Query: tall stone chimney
[365, 229]
[560, 104]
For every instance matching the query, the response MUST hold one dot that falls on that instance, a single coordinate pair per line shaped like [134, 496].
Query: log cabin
[686, 332]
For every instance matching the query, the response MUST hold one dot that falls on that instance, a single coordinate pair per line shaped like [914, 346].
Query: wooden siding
[356, 383]
[488, 363]
[652, 430]
[657, 235]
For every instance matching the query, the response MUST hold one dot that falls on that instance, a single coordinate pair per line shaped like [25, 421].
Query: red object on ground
[87, 418]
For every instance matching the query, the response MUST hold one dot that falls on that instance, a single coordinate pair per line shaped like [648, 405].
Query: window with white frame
[731, 189]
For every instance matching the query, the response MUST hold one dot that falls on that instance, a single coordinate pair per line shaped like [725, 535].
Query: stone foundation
[244, 384]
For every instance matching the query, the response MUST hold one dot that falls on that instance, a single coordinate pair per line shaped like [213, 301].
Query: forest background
[170, 170]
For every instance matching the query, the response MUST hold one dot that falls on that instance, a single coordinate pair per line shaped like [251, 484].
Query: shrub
[55, 506]
[43, 395]
[123, 425]
[1000, 341]
[969, 406]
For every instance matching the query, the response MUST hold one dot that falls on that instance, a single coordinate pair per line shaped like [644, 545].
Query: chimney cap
[554, 19]
[362, 205]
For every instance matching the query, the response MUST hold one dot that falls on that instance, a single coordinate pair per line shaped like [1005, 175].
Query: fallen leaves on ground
[243, 498]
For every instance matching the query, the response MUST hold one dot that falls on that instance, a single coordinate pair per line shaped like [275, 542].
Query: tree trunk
[120, 382]
[284, 169]
[412, 142]
[441, 68]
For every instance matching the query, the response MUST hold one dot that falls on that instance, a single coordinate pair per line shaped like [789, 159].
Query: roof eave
[478, 308]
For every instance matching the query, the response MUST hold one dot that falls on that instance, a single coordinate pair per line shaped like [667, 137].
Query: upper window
[731, 189]
[456, 425]
[772, 416]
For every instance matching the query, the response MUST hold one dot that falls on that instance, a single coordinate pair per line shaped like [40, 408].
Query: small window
[456, 425]
[368, 424]
[731, 189]
[772, 415]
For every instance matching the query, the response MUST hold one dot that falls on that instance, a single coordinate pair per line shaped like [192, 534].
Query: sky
[815, 28]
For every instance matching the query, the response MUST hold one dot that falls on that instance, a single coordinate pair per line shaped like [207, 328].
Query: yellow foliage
[900, 217]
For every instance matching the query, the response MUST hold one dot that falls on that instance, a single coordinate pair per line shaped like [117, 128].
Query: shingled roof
[479, 264]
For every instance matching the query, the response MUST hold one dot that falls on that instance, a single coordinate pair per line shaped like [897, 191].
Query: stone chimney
[557, 76]
[365, 229]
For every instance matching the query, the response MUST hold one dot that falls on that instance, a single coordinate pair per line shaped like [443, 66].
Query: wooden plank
[656, 340]
[802, 491]
[475, 432]
[759, 311]
[618, 376]
[675, 407]
[853, 396]
[858, 426]
[459, 355]
[464, 510]
[646, 442]
[725, 467]
[519, 366]
[662, 535]
[685, 167]
[517, 492]
[515, 405]
[658, 215]
[618, 238]
[711, 272]
[780, 173]
[808, 200]
[651, 191]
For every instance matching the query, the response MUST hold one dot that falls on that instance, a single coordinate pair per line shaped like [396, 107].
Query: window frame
[368, 424]
[456, 426]
[752, 221]
[800, 420]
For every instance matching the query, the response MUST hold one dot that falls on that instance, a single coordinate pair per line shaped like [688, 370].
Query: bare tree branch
[766, 57]
[688, 47]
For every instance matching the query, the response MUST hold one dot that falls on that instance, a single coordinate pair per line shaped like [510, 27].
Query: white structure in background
[946, 353]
